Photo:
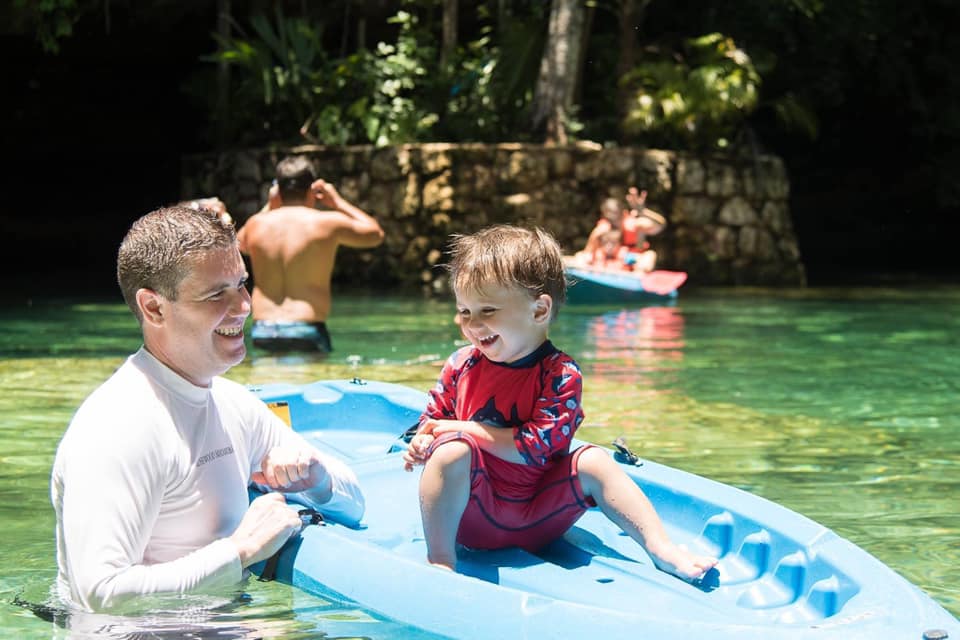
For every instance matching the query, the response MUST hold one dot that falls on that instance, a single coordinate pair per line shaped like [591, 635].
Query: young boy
[611, 219]
[612, 254]
[495, 437]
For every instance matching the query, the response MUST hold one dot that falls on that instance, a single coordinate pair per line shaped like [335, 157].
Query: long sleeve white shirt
[151, 478]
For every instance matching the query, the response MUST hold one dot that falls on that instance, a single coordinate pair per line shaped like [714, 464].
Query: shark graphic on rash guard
[490, 415]
[538, 395]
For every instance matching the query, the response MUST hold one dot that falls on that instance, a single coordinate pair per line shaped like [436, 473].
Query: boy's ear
[542, 308]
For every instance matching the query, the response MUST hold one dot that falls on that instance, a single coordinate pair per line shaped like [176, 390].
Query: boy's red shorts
[502, 513]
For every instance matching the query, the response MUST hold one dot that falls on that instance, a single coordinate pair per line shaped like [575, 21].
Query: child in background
[611, 219]
[495, 437]
[634, 223]
[611, 253]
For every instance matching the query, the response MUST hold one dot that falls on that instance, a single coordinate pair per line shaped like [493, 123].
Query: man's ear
[542, 308]
[151, 305]
[274, 201]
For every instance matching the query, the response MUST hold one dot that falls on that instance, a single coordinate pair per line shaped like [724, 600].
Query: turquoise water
[840, 404]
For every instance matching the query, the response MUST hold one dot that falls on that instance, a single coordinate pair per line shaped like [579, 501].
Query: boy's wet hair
[158, 251]
[509, 256]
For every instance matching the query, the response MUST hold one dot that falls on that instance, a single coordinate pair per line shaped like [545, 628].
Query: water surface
[837, 403]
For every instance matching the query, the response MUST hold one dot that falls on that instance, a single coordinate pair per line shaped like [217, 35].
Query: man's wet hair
[295, 175]
[159, 249]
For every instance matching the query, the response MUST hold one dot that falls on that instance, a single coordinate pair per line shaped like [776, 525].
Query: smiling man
[150, 480]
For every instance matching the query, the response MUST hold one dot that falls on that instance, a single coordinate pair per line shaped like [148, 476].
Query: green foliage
[693, 99]
[285, 85]
[838, 71]
[486, 90]
[394, 75]
[51, 20]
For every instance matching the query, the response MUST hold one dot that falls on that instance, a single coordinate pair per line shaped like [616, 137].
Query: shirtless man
[292, 247]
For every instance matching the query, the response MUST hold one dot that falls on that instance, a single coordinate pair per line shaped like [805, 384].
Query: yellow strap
[282, 409]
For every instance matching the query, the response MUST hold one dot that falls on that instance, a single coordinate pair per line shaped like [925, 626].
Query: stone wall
[729, 219]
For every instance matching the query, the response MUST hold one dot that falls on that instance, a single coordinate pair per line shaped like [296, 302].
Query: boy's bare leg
[444, 492]
[628, 507]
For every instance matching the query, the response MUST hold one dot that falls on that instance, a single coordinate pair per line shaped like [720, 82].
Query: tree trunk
[345, 29]
[223, 71]
[556, 83]
[582, 57]
[449, 32]
[361, 33]
[631, 20]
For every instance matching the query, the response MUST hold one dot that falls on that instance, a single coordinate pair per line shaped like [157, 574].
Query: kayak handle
[624, 455]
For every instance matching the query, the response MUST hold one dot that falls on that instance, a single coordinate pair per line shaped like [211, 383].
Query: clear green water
[840, 404]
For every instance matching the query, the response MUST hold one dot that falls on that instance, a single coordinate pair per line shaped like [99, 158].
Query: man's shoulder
[229, 390]
[280, 214]
[121, 410]
[307, 218]
[122, 383]
[239, 398]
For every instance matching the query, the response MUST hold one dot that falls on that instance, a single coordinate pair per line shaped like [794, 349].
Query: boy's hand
[417, 451]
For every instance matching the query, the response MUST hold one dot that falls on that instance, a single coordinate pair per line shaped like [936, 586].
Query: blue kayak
[597, 286]
[780, 575]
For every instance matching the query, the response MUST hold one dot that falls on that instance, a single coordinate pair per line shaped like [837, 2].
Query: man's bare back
[292, 249]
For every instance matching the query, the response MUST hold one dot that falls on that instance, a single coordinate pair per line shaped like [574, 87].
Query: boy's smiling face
[505, 323]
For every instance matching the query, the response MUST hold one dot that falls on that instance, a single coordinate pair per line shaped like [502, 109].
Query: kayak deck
[780, 574]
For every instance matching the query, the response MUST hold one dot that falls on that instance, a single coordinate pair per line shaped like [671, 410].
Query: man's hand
[326, 194]
[267, 524]
[636, 199]
[292, 470]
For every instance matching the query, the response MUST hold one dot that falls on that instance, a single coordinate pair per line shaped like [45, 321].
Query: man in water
[149, 483]
[292, 246]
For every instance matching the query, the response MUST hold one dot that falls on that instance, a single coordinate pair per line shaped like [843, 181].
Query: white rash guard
[151, 478]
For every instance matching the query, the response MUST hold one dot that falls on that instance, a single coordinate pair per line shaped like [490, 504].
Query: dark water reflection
[840, 404]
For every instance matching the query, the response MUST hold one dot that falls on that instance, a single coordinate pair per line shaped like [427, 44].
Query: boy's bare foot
[441, 565]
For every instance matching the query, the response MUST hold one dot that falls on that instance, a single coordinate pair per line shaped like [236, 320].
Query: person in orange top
[611, 218]
[634, 223]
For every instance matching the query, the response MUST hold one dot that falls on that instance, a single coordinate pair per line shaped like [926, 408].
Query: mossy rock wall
[729, 217]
